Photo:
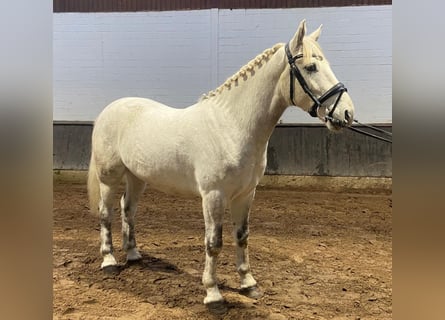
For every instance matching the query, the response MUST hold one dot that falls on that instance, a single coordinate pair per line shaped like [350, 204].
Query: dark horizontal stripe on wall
[173, 5]
[294, 149]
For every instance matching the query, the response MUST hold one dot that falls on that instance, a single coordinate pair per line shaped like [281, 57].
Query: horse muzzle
[338, 124]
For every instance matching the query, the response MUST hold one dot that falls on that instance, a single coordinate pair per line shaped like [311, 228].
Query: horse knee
[214, 248]
[214, 245]
[242, 236]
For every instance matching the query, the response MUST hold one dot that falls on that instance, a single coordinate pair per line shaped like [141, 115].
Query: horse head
[312, 84]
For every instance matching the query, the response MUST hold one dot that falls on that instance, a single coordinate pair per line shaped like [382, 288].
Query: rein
[389, 134]
[337, 89]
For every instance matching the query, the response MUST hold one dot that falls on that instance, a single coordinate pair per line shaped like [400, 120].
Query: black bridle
[337, 89]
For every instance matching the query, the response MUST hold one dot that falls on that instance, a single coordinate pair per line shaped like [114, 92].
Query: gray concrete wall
[304, 150]
[71, 145]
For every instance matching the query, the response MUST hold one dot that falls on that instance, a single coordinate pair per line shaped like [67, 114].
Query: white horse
[215, 148]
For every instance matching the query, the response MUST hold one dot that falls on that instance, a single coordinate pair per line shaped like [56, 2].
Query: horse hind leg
[134, 188]
[108, 179]
[107, 192]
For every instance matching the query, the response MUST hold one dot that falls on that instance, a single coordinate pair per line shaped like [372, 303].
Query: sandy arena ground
[315, 255]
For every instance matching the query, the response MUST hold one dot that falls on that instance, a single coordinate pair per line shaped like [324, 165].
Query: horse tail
[93, 186]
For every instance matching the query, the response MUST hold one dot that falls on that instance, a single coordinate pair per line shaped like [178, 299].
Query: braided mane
[244, 71]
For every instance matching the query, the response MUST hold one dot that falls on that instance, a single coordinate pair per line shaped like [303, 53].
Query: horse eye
[311, 67]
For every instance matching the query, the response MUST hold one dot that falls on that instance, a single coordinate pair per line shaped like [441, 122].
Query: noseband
[337, 89]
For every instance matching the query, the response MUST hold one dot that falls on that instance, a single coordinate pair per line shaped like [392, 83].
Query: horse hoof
[217, 307]
[252, 292]
[111, 270]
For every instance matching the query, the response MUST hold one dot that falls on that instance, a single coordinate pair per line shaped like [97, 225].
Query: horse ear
[316, 34]
[297, 40]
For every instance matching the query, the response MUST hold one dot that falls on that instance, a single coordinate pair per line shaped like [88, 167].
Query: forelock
[310, 48]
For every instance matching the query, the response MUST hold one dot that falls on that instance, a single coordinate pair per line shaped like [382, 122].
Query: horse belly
[173, 184]
[165, 174]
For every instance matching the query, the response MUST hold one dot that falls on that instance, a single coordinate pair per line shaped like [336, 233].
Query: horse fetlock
[243, 269]
[209, 280]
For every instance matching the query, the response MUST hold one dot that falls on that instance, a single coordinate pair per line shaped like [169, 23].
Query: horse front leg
[213, 204]
[240, 209]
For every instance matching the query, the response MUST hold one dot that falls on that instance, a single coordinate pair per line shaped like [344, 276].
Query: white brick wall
[174, 57]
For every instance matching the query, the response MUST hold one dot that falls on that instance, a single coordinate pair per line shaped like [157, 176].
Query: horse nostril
[347, 116]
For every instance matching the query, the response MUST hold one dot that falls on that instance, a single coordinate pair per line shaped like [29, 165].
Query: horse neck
[256, 104]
